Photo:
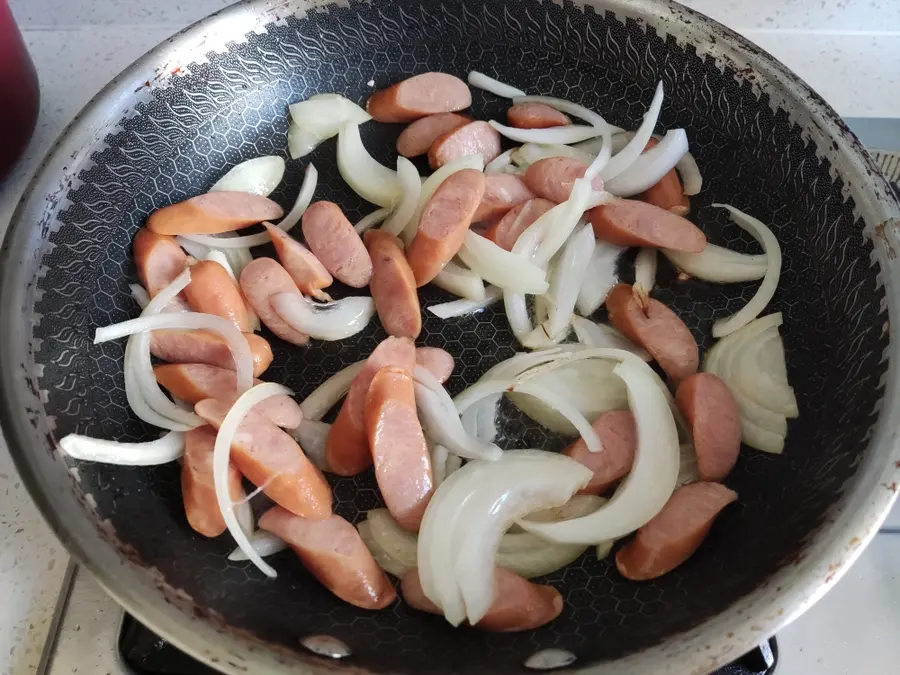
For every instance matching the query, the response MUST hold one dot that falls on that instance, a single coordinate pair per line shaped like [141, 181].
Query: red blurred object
[19, 96]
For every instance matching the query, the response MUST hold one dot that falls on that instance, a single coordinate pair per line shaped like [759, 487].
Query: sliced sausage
[393, 286]
[444, 223]
[437, 361]
[553, 177]
[502, 192]
[347, 446]
[399, 452]
[305, 269]
[668, 193]
[475, 138]
[198, 489]
[200, 346]
[418, 96]
[618, 434]
[715, 421]
[656, 328]
[415, 139]
[272, 460]
[261, 280]
[331, 237]
[628, 222]
[506, 231]
[535, 116]
[213, 291]
[158, 258]
[212, 213]
[674, 533]
[193, 382]
[332, 550]
[518, 603]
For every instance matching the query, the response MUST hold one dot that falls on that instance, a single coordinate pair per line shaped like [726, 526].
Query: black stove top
[145, 653]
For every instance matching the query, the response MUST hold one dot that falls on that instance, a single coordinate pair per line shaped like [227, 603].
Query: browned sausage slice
[305, 269]
[393, 286]
[415, 139]
[535, 116]
[674, 533]
[618, 434]
[437, 361]
[331, 237]
[553, 177]
[200, 346]
[506, 231]
[193, 382]
[401, 457]
[158, 258]
[444, 223]
[518, 603]
[272, 460]
[656, 328]
[261, 280]
[715, 421]
[668, 193]
[502, 192]
[213, 291]
[212, 213]
[475, 138]
[627, 222]
[198, 487]
[332, 550]
[418, 96]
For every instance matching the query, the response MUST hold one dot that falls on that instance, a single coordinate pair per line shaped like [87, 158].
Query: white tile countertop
[847, 50]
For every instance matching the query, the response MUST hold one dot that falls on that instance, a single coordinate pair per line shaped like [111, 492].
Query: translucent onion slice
[161, 451]
[431, 184]
[463, 307]
[758, 302]
[496, 87]
[391, 538]
[720, 265]
[648, 169]
[530, 153]
[603, 155]
[501, 267]
[626, 157]
[566, 408]
[327, 320]
[311, 435]
[371, 220]
[325, 114]
[480, 420]
[264, 543]
[460, 281]
[384, 561]
[503, 373]
[602, 335]
[572, 211]
[221, 459]
[645, 268]
[258, 176]
[514, 303]
[301, 141]
[599, 277]
[691, 178]
[410, 191]
[139, 295]
[244, 514]
[326, 395]
[371, 180]
[439, 455]
[651, 482]
[568, 274]
[564, 135]
[500, 163]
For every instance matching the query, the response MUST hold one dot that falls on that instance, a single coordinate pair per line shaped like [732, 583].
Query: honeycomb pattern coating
[234, 108]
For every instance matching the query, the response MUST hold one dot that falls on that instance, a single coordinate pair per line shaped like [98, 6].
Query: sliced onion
[463, 307]
[687, 471]
[651, 482]
[460, 281]
[238, 258]
[568, 107]
[327, 320]
[326, 395]
[311, 436]
[648, 169]
[690, 174]
[410, 191]
[221, 459]
[573, 209]
[139, 295]
[161, 451]
[564, 407]
[372, 181]
[603, 155]
[568, 274]
[645, 268]
[480, 419]
[198, 251]
[301, 141]
[496, 87]
[720, 265]
[263, 542]
[503, 376]
[500, 163]
[431, 184]
[626, 157]
[371, 220]
[530, 153]
[326, 114]
[258, 176]
[501, 267]
[758, 302]
[602, 335]
[441, 423]
[571, 133]
[391, 538]
[439, 455]
[244, 513]
[384, 561]
[599, 277]
[525, 247]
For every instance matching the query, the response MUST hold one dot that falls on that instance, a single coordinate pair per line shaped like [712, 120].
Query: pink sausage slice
[536, 116]
[261, 280]
[553, 177]
[502, 192]
[628, 222]
[715, 421]
[475, 138]
[213, 291]
[437, 361]
[668, 193]
[418, 96]
[200, 346]
[158, 258]
[415, 139]
[618, 433]
[305, 269]
[445, 221]
[336, 244]
[393, 286]
[198, 488]
[506, 231]
[332, 550]
[675, 533]
[212, 213]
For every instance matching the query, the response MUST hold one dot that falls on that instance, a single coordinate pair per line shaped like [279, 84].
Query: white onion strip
[464, 307]
[331, 321]
[166, 449]
[645, 268]
[496, 87]
[565, 408]
[599, 277]
[431, 184]
[500, 163]
[312, 435]
[257, 176]
[139, 295]
[554, 238]
[501, 267]
[371, 180]
[410, 191]
[568, 274]
[766, 290]
[626, 157]
[572, 133]
[460, 281]
[529, 153]
[648, 169]
[720, 265]
[263, 542]
[371, 220]
[326, 395]
[691, 178]
[601, 335]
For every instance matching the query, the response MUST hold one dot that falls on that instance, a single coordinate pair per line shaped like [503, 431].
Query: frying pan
[216, 94]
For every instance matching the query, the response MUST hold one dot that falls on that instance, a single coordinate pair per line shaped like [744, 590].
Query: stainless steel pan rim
[787, 594]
